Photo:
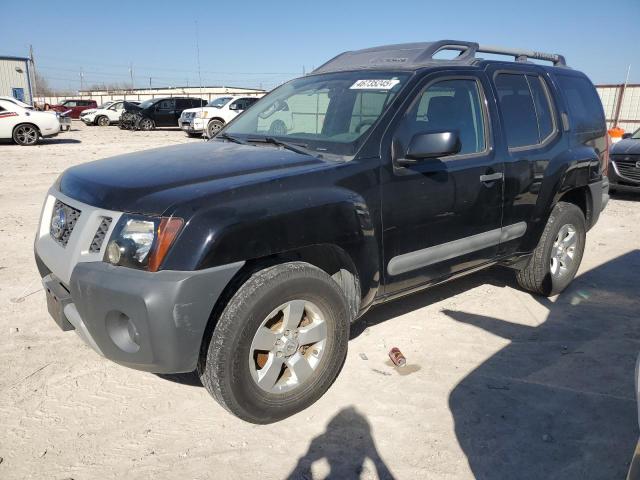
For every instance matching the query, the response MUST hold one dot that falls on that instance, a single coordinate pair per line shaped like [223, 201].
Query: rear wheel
[278, 345]
[146, 124]
[556, 259]
[278, 128]
[214, 127]
[103, 121]
[26, 134]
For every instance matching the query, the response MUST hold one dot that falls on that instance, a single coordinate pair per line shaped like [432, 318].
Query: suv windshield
[323, 113]
[147, 103]
[219, 102]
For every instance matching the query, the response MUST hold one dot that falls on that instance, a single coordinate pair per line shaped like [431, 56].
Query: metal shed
[16, 78]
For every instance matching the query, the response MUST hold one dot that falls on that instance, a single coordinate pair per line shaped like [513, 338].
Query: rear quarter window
[585, 108]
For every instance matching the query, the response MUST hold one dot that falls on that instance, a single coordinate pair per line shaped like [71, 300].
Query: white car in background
[106, 114]
[23, 124]
[215, 115]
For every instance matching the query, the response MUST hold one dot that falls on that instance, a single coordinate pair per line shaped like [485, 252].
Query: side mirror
[234, 107]
[626, 135]
[431, 145]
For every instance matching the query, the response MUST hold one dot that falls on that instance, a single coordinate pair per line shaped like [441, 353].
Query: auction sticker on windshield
[379, 84]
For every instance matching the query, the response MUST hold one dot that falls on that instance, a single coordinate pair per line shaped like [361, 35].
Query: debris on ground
[363, 356]
[397, 357]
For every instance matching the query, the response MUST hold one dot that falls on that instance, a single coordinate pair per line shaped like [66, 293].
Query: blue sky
[264, 43]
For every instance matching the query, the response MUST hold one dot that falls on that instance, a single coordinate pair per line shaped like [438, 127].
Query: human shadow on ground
[558, 400]
[345, 444]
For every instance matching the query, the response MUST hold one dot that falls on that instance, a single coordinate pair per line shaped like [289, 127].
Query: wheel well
[332, 259]
[26, 123]
[216, 118]
[581, 198]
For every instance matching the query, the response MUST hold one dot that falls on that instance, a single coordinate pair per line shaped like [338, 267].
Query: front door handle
[491, 177]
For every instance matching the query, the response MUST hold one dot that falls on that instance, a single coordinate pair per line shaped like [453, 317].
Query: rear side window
[585, 107]
[526, 111]
[542, 106]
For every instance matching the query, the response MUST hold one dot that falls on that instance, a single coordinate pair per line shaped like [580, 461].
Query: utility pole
[131, 73]
[149, 82]
[33, 64]
[81, 79]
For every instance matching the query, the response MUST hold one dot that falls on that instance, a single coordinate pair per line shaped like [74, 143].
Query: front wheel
[26, 134]
[214, 127]
[146, 124]
[556, 259]
[103, 121]
[278, 345]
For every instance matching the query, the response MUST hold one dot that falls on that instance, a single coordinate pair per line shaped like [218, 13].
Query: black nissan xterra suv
[247, 257]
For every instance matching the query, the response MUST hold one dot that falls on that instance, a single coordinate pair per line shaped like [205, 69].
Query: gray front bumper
[147, 321]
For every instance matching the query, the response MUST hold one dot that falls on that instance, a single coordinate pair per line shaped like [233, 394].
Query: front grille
[628, 166]
[63, 219]
[101, 233]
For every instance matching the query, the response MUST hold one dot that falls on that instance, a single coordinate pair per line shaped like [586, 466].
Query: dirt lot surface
[499, 384]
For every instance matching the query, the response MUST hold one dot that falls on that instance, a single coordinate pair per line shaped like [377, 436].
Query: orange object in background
[616, 134]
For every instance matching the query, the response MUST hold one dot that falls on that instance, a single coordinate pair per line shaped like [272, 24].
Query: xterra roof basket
[415, 55]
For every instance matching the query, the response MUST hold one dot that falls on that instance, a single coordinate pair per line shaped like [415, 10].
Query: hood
[627, 146]
[151, 181]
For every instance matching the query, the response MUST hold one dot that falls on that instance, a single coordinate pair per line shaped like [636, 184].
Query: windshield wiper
[230, 138]
[294, 147]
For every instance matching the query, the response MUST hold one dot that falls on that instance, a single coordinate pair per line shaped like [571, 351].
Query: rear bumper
[147, 321]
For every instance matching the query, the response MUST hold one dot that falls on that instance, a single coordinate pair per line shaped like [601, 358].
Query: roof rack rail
[469, 49]
[416, 55]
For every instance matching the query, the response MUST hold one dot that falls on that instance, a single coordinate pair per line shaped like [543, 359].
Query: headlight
[202, 114]
[142, 242]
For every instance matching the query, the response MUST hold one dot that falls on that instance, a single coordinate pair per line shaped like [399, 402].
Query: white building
[16, 78]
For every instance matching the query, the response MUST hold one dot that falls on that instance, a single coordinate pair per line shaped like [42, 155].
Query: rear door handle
[491, 177]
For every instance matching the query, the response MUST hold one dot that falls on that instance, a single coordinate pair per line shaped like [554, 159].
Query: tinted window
[585, 107]
[445, 106]
[183, 103]
[250, 101]
[70, 103]
[168, 104]
[543, 108]
[518, 111]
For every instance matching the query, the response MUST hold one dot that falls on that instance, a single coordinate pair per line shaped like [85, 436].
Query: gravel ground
[499, 384]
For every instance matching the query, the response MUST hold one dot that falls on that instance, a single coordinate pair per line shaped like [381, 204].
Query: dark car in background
[624, 174]
[161, 112]
[76, 106]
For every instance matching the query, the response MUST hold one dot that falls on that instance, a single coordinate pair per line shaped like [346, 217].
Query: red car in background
[76, 107]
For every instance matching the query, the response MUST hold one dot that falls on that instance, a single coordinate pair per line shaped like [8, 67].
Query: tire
[26, 134]
[566, 228]
[146, 124]
[231, 366]
[103, 121]
[278, 128]
[214, 127]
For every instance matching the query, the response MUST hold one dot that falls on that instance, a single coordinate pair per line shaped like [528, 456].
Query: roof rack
[414, 55]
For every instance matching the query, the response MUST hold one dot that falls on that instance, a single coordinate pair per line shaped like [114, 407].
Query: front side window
[325, 113]
[168, 104]
[447, 105]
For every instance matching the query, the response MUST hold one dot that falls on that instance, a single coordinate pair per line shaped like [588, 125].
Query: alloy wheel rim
[27, 135]
[288, 346]
[563, 250]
